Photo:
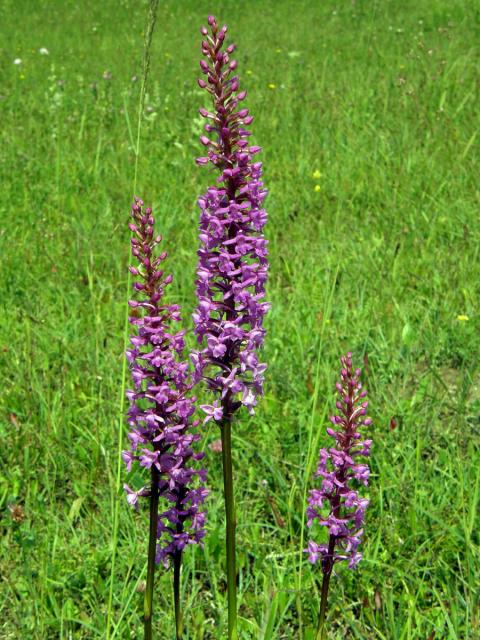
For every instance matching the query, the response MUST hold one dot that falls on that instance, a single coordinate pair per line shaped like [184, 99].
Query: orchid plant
[232, 267]
[162, 428]
[337, 504]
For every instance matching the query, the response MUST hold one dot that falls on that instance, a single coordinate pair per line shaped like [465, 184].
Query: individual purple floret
[161, 409]
[337, 505]
[233, 264]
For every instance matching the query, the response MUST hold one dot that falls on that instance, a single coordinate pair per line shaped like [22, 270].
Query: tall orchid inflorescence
[161, 409]
[337, 505]
[232, 268]
[233, 263]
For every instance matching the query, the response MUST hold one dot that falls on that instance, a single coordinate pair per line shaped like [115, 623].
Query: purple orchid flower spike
[232, 268]
[160, 416]
[337, 504]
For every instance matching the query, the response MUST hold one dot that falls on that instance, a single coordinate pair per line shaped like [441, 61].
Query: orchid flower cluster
[233, 264]
[340, 468]
[161, 407]
[228, 323]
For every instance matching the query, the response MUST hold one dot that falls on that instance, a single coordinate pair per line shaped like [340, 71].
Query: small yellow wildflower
[316, 174]
[463, 318]
[272, 86]
[317, 188]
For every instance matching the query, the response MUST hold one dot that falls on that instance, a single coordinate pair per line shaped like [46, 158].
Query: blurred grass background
[367, 112]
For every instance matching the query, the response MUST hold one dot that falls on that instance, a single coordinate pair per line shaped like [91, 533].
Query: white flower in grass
[44, 51]
[17, 61]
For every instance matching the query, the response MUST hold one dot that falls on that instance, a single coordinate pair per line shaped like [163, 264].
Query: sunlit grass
[382, 259]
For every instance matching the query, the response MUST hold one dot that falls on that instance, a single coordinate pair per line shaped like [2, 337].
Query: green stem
[226, 428]
[152, 546]
[177, 563]
[321, 630]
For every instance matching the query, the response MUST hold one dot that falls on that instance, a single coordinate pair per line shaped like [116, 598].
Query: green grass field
[380, 258]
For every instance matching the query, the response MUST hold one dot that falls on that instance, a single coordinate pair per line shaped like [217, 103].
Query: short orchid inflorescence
[161, 407]
[337, 505]
[233, 264]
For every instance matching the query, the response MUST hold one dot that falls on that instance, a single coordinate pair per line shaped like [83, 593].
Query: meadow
[367, 113]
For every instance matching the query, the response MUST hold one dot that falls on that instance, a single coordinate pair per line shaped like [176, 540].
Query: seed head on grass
[161, 409]
[341, 469]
